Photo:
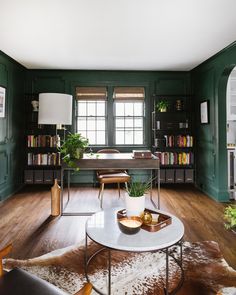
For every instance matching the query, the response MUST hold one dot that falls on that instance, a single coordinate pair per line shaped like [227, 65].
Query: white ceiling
[115, 34]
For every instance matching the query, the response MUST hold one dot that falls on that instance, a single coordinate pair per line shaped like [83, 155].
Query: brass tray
[163, 220]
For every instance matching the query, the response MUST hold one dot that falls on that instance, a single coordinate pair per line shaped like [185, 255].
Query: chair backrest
[108, 151]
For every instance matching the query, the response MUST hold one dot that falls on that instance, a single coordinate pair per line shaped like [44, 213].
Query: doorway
[231, 133]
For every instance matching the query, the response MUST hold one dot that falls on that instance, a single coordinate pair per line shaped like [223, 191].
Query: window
[92, 113]
[124, 110]
[129, 115]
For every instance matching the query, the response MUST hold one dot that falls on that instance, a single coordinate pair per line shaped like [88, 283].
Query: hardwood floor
[26, 222]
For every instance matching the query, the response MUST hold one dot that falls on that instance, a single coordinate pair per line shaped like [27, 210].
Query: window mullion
[110, 119]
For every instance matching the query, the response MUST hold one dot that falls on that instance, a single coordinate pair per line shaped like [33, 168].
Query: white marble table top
[102, 228]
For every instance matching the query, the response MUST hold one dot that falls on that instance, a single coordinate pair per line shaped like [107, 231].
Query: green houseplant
[135, 197]
[162, 105]
[230, 217]
[72, 148]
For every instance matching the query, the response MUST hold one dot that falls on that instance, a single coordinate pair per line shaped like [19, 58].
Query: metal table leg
[167, 272]
[109, 272]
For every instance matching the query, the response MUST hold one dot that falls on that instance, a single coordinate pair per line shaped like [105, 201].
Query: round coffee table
[103, 229]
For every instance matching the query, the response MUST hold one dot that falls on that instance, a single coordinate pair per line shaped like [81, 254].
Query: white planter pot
[134, 205]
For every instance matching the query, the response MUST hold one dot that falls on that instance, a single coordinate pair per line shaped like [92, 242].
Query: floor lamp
[55, 109]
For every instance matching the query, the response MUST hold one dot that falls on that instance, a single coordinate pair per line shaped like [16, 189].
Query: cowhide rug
[206, 271]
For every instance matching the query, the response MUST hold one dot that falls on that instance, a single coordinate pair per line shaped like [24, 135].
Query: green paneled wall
[12, 77]
[209, 83]
[66, 82]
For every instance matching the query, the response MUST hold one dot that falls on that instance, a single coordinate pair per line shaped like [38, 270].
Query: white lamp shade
[55, 108]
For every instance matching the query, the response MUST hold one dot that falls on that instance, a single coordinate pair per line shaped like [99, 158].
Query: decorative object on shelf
[35, 105]
[72, 148]
[135, 197]
[204, 112]
[55, 199]
[162, 106]
[130, 225]
[2, 101]
[160, 142]
[179, 105]
[230, 217]
[183, 125]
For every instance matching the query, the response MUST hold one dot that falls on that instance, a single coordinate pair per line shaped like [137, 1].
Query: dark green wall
[12, 77]
[209, 83]
[66, 81]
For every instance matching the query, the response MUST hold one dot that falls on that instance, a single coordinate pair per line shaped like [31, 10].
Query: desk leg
[68, 186]
[154, 204]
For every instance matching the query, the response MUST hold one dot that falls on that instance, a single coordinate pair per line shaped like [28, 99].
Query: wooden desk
[106, 162]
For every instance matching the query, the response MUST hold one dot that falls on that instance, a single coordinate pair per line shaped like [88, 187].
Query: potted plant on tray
[73, 148]
[162, 106]
[135, 197]
[230, 217]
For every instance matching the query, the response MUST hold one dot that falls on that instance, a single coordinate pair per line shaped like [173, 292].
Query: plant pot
[134, 205]
[78, 154]
[163, 110]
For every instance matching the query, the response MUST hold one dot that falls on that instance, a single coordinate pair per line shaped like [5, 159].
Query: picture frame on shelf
[2, 101]
[204, 112]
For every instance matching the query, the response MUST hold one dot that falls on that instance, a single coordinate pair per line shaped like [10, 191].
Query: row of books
[53, 159]
[174, 158]
[178, 140]
[43, 140]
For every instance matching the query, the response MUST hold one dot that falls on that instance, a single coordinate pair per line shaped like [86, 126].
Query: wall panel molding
[4, 167]
[48, 84]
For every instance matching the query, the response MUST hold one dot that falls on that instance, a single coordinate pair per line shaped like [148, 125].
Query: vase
[55, 199]
[79, 153]
[134, 205]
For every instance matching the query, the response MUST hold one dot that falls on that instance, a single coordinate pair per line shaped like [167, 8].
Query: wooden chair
[20, 282]
[111, 176]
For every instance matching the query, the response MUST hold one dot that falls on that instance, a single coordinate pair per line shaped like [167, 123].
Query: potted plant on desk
[135, 197]
[73, 148]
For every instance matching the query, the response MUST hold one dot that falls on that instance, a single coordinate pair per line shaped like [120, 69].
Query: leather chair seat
[119, 177]
[20, 282]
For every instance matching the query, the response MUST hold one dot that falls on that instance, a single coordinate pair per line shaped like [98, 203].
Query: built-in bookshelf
[173, 138]
[42, 159]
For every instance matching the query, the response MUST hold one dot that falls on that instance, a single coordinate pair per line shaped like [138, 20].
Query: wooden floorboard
[25, 218]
